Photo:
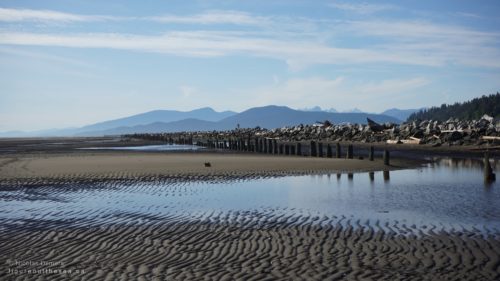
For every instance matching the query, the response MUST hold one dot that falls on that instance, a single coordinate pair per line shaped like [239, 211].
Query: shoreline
[109, 165]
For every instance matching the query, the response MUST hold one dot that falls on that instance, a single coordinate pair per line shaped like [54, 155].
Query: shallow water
[448, 194]
[161, 147]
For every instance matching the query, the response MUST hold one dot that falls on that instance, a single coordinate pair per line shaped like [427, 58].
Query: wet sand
[120, 165]
[249, 247]
[224, 246]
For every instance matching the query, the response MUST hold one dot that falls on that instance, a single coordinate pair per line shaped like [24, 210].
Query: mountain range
[208, 119]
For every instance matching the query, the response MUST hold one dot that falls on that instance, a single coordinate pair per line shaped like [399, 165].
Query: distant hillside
[164, 116]
[264, 117]
[401, 114]
[278, 116]
[138, 120]
[469, 110]
[175, 126]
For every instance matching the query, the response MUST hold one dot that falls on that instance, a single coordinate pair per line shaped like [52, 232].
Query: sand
[251, 247]
[217, 246]
[111, 165]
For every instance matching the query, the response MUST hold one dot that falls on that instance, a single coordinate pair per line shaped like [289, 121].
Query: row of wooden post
[271, 146]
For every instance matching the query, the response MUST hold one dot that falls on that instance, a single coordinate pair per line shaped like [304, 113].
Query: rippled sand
[240, 245]
[248, 246]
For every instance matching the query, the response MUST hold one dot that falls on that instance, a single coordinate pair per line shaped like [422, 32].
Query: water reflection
[371, 175]
[448, 193]
[488, 167]
[463, 163]
[387, 176]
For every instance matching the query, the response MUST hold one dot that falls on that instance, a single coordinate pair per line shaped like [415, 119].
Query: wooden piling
[313, 149]
[299, 149]
[329, 151]
[371, 153]
[320, 149]
[386, 157]
[338, 150]
[350, 151]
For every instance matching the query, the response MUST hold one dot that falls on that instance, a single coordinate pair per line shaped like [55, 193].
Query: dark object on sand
[207, 164]
[374, 126]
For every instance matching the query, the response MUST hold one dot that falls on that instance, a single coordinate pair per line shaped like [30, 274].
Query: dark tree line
[469, 110]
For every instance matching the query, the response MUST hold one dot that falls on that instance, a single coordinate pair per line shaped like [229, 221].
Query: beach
[119, 165]
[73, 214]
[258, 248]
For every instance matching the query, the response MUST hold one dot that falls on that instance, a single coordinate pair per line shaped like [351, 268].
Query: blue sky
[72, 63]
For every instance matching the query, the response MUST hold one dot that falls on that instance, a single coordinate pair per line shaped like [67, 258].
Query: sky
[72, 63]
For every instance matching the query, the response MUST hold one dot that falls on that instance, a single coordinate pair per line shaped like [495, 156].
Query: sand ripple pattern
[249, 246]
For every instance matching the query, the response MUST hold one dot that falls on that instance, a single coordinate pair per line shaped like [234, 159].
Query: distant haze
[74, 63]
[207, 119]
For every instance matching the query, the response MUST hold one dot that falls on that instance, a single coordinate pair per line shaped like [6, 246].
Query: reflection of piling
[371, 153]
[329, 151]
[489, 176]
[371, 175]
[386, 157]
[338, 176]
[350, 176]
[337, 150]
[387, 176]
[299, 149]
[350, 151]
[313, 149]
[320, 149]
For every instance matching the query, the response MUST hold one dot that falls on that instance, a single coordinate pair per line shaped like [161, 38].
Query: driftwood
[412, 140]
[490, 138]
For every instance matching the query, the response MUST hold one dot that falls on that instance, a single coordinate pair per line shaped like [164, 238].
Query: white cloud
[299, 42]
[392, 86]
[298, 92]
[362, 8]
[213, 17]
[46, 57]
[19, 15]
[187, 91]
[210, 44]
[339, 93]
